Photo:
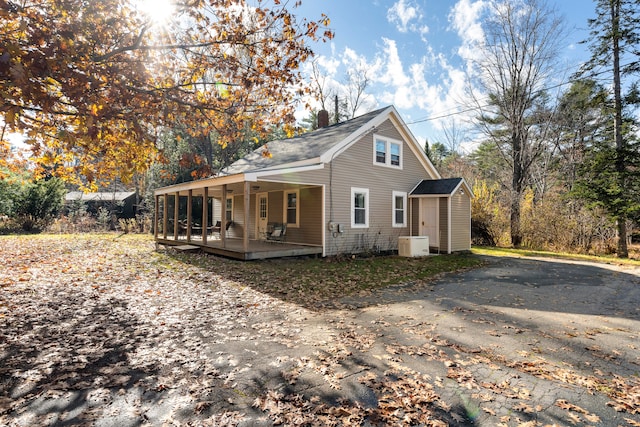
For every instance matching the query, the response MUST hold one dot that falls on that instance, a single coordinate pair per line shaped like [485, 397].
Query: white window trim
[285, 208]
[388, 142]
[365, 191]
[393, 209]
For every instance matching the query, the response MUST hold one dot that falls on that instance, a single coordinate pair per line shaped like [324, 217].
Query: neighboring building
[120, 203]
[354, 187]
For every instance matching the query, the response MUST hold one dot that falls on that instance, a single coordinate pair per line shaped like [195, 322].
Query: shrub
[39, 203]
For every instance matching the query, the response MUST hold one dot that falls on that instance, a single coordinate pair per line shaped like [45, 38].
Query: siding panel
[460, 223]
[444, 225]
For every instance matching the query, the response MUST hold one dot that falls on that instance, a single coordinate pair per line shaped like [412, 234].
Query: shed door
[262, 207]
[429, 220]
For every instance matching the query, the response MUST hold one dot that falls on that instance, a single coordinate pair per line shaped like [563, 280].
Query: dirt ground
[110, 332]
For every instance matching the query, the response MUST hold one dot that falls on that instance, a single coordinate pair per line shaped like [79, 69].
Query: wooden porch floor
[258, 249]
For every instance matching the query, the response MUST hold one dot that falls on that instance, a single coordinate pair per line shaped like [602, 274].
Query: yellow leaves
[91, 94]
[94, 109]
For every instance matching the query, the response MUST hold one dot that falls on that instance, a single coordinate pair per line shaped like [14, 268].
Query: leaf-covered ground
[104, 330]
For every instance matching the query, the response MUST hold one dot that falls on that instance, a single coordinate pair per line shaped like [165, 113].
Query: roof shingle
[436, 186]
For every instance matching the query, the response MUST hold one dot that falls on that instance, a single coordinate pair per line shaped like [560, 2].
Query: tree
[516, 60]
[436, 152]
[615, 34]
[92, 82]
[581, 116]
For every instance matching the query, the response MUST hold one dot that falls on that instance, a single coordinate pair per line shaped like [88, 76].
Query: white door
[429, 220]
[262, 207]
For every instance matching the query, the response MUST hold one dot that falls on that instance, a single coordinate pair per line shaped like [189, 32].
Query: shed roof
[444, 186]
[105, 196]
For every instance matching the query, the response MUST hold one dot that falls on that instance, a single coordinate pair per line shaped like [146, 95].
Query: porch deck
[258, 249]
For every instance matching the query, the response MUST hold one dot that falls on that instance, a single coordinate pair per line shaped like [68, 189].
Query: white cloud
[465, 20]
[403, 15]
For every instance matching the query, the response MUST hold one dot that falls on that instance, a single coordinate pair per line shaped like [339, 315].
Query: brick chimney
[323, 119]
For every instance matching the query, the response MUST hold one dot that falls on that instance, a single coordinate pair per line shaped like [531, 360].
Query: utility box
[413, 246]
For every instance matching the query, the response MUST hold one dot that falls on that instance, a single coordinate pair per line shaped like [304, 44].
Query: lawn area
[634, 255]
[314, 282]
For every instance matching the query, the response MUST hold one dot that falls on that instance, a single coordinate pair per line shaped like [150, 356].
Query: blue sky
[416, 52]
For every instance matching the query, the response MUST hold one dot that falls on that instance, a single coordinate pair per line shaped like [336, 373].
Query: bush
[38, 204]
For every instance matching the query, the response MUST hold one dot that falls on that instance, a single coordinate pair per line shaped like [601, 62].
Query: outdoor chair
[277, 232]
[218, 226]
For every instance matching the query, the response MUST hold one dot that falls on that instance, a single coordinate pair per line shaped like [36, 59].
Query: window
[399, 209]
[228, 215]
[291, 210]
[387, 152]
[381, 152]
[359, 207]
[263, 207]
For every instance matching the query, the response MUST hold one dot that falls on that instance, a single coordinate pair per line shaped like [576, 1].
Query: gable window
[228, 211]
[359, 207]
[291, 211]
[399, 209]
[387, 152]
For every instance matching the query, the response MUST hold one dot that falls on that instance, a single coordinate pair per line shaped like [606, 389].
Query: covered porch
[235, 217]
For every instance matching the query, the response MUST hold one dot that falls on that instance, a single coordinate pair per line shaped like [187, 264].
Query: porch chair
[216, 228]
[277, 232]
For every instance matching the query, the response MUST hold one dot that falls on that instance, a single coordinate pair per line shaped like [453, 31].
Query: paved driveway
[520, 342]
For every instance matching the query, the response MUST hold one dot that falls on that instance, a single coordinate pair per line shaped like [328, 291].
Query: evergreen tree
[615, 36]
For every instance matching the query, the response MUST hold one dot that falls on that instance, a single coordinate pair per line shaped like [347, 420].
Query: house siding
[460, 223]
[444, 225]
[238, 228]
[354, 168]
[415, 217]
[310, 230]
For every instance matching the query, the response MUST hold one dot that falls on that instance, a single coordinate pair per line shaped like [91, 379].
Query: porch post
[189, 214]
[176, 214]
[205, 214]
[223, 217]
[155, 216]
[247, 200]
[165, 213]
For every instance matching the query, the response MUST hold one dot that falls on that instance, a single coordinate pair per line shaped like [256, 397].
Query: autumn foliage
[91, 83]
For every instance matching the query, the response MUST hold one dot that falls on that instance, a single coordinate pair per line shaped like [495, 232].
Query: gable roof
[319, 146]
[310, 145]
[432, 187]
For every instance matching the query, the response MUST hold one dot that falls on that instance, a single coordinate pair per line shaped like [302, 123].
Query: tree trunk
[622, 250]
[516, 189]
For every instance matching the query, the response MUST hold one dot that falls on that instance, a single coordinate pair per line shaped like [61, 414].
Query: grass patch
[510, 252]
[309, 281]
